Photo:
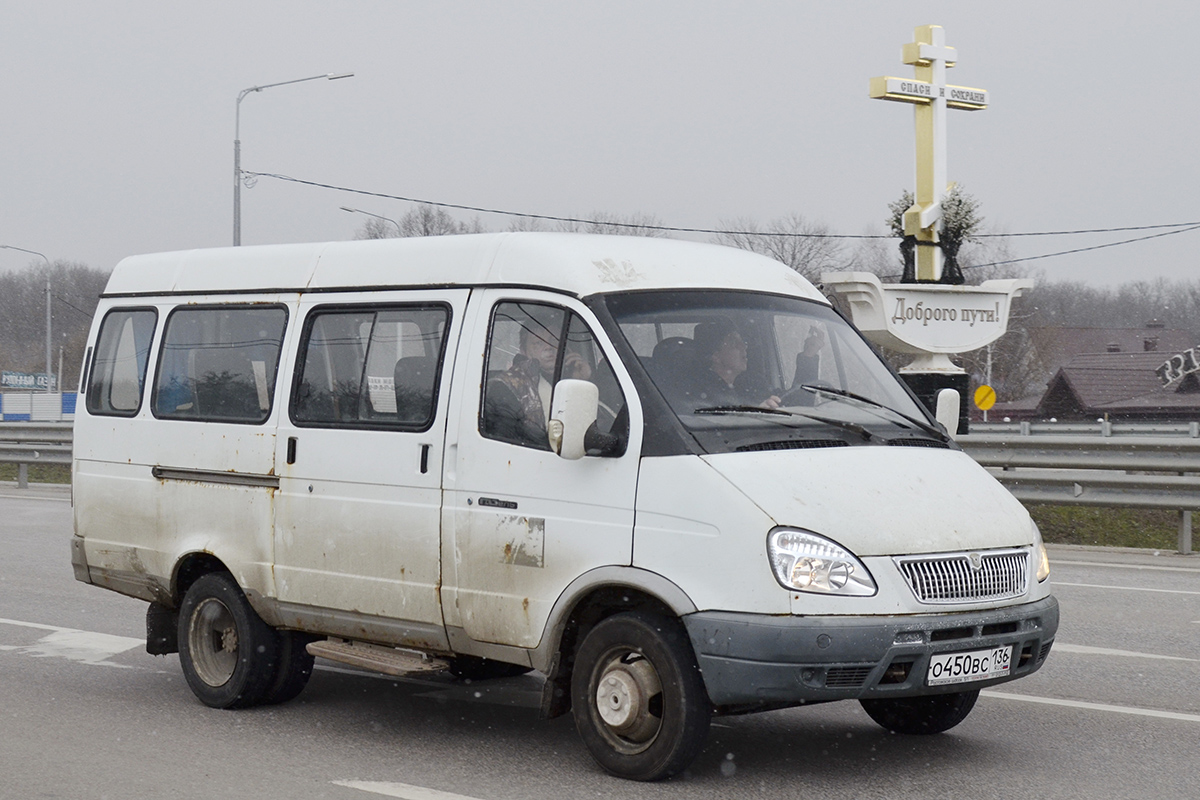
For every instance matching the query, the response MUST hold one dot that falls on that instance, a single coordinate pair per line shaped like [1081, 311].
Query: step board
[388, 660]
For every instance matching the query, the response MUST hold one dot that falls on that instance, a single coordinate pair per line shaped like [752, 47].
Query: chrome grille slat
[950, 578]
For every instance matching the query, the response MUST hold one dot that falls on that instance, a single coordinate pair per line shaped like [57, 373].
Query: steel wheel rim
[213, 642]
[627, 700]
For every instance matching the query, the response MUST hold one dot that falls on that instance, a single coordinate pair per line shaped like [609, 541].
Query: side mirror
[948, 401]
[572, 412]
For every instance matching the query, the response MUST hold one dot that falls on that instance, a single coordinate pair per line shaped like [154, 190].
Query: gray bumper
[760, 660]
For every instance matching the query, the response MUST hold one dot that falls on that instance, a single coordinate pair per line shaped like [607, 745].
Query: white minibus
[669, 477]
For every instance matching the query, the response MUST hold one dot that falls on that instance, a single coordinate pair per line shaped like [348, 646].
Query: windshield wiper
[848, 395]
[853, 427]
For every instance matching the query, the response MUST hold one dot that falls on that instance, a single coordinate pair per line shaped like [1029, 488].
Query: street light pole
[399, 232]
[237, 144]
[49, 388]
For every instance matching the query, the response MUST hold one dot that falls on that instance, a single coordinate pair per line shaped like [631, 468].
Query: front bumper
[757, 660]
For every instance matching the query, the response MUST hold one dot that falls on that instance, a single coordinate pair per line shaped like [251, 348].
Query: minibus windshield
[743, 370]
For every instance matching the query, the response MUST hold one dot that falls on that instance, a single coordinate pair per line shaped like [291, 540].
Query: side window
[530, 348]
[118, 373]
[218, 363]
[370, 367]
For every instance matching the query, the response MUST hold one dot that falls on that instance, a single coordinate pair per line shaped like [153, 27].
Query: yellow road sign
[985, 397]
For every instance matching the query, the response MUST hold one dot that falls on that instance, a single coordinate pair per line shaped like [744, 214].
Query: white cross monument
[929, 320]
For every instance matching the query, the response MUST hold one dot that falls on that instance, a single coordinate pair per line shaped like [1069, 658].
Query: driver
[722, 352]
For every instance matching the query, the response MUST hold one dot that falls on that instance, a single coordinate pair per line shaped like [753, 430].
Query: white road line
[1050, 701]
[86, 647]
[1055, 562]
[34, 625]
[401, 790]
[1125, 588]
[1060, 647]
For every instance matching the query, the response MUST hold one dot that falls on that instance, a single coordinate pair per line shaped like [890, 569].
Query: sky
[119, 119]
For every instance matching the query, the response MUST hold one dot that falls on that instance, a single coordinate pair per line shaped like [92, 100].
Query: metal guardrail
[1100, 464]
[25, 443]
[1086, 464]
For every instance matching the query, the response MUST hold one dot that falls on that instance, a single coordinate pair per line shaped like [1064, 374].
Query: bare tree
[377, 228]
[807, 247]
[603, 222]
[424, 220]
[74, 290]
[427, 220]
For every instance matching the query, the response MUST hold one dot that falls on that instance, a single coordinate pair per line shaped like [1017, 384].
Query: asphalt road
[86, 713]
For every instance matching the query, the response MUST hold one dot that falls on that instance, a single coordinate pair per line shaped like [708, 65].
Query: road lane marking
[402, 790]
[1056, 562]
[1060, 647]
[1050, 701]
[1126, 588]
[85, 647]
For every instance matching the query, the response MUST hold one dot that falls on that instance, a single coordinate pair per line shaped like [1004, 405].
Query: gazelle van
[668, 476]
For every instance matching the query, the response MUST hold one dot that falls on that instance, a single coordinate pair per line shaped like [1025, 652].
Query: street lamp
[237, 144]
[376, 216]
[49, 388]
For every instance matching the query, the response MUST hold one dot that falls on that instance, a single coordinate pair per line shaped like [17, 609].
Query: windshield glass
[754, 371]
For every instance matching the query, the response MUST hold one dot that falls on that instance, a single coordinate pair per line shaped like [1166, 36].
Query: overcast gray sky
[119, 118]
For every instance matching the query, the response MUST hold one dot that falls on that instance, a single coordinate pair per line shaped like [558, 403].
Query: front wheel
[637, 696]
[921, 715]
[228, 654]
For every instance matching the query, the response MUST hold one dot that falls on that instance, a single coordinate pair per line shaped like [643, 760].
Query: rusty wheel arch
[189, 569]
[590, 610]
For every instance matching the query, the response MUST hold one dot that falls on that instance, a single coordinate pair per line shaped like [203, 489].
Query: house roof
[1119, 383]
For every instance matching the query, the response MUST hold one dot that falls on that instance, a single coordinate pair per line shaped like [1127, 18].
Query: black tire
[921, 715]
[638, 698]
[293, 669]
[228, 654]
[473, 668]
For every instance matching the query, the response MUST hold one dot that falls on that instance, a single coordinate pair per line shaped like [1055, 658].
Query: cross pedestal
[930, 322]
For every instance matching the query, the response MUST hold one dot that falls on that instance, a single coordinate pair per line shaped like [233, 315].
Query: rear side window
[370, 367]
[118, 372]
[218, 363]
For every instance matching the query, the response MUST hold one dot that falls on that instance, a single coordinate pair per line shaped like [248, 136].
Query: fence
[1135, 465]
[37, 406]
[1102, 464]
[25, 443]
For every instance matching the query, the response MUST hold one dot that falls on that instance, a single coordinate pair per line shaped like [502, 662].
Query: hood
[881, 500]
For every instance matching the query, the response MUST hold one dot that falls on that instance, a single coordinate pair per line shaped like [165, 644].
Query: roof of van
[578, 264]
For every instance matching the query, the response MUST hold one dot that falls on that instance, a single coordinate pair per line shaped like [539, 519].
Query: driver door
[520, 523]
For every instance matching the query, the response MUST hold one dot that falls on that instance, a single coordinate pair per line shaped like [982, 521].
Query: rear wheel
[637, 696]
[921, 715]
[228, 654]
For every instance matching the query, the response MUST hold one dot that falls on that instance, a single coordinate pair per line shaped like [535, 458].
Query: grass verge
[38, 473]
[1108, 527]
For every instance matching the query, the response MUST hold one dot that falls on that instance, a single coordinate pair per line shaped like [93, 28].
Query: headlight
[1039, 552]
[806, 562]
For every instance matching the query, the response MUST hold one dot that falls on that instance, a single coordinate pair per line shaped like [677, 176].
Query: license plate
[978, 665]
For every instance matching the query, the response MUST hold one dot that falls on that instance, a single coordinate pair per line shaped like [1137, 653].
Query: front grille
[1001, 574]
